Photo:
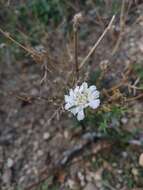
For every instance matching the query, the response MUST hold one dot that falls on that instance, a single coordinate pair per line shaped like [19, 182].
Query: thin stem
[7, 35]
[83, 126]
[76, 23]
[122, 25]
[97, 43]
[76, 53]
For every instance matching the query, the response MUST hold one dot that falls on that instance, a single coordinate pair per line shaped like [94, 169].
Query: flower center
[82, 99]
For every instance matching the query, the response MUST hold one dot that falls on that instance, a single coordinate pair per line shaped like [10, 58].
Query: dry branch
[97, 43]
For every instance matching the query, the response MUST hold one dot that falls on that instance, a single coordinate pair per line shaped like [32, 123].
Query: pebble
[34, 92]
[141, 160]
[10, 163]
[2, 45]
[71, 184]
[124, 120]
[40, 153]
[81, 178]
[141, 46]
[89, 176]
[118, 186]
[66, 134]
[42, 121]
[134, 171]
[46, 136]
[99, 185]
[114, 164]
[28, 171]
[120, 171]
[90, 186]
[124, 154]
[21, 180]
[97, 176]
[36, 145]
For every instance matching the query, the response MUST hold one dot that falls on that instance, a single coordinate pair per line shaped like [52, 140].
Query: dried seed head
[77, 19]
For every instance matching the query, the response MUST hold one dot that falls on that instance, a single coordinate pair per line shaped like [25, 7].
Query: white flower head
[80, 98]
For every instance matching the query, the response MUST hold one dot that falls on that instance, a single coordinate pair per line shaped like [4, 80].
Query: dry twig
[122, 25]
[76, 21]
[97, 43]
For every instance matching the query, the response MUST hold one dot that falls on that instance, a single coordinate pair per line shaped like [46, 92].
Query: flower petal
[94, 104]
[67, 106]
[92, 88]
[80, 115]
[71, 93]
[76, 89]
[93, 96]
[74, 110]
[96, 94]
[83, 87]
[67, 98]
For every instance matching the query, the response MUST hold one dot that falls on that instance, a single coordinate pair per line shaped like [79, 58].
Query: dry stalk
[97, 43]
[122, 26]
[7, 35]
[37, 56]
[76, 21]
[135, 98]
[76, 52]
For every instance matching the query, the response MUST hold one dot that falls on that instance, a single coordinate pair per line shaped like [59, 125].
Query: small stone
[28, 171]
[42, 121]
[34, 92]
[30, 131]
[71, 184]
[89, 176]
[134, 171]
[2, 45]
[97, 176]
[120, 179]
[90, 186]
[141, 160]
[46, 136]
[141, 46]
[124, 154]
[66, 134]
[10, 163]
[26, 166]
[21, 180]
[35, 171]
[81, 177]
[114, 164]
[118, 186]
[119, 171]
[40, 153]
[99, 184]
[124, 120]
[36, 145]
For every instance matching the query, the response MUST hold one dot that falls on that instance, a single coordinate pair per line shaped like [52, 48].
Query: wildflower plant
[82, 96]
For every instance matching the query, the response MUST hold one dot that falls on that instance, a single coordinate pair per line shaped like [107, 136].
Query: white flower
[80, 98]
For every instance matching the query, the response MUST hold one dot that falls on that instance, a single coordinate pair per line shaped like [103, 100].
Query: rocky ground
[35, 134]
